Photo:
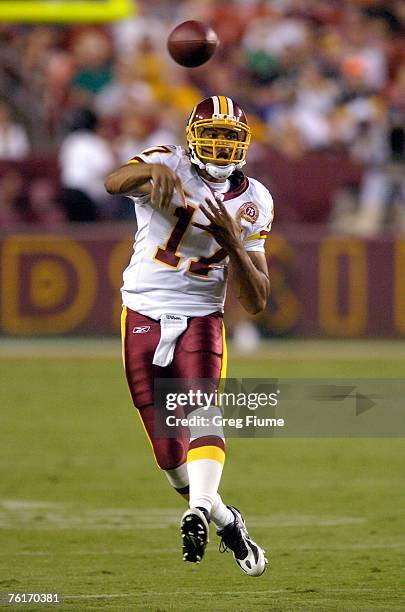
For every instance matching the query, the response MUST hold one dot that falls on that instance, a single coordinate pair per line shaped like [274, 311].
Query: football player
[197, 214]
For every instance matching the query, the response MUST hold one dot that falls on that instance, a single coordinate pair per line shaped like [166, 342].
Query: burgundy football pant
[200, 353]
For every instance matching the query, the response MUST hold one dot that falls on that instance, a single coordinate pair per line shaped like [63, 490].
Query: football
[192, 43]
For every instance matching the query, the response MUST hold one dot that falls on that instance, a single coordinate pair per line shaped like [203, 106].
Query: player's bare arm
[156, 179]
[250, 269]
[251, 279]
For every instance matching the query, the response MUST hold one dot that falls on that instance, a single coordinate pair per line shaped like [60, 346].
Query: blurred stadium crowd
[320, 79]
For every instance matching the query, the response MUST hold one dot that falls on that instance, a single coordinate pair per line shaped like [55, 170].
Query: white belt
[171, 327]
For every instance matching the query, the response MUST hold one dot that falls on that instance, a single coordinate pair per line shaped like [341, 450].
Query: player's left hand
[225, 229]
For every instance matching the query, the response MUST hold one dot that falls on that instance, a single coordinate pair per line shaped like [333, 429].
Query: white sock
[220, 514]
[178, 476]
[204, 467]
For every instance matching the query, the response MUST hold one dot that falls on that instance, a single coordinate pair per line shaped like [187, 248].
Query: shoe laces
[222, 546]
[234, 541]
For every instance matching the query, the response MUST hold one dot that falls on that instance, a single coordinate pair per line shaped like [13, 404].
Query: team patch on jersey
[143, 329]
[249, 211]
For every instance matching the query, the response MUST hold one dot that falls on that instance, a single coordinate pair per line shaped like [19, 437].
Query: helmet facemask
[208, 152]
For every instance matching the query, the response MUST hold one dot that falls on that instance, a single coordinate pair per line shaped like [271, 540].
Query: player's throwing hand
[164, 182]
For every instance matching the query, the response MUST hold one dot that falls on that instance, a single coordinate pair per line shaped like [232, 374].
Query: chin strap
[218, 172]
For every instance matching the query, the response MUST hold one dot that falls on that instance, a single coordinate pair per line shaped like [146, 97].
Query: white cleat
[247, 554]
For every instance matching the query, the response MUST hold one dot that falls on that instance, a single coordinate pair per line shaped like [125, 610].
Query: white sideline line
[238, 592]
[157, 551]
[62, 525]
[215, 593]
[40, 515]
[165, 593]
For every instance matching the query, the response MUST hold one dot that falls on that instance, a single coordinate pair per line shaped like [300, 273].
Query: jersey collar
[239, 184]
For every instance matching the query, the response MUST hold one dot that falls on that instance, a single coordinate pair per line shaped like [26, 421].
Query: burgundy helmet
[217, 124]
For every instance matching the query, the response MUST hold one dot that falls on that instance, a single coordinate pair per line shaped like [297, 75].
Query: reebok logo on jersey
[173, 318]
[143, 329]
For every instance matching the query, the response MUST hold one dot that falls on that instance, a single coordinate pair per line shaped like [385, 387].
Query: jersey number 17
[169, 253]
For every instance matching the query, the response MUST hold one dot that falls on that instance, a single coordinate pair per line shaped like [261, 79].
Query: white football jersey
[178, 268]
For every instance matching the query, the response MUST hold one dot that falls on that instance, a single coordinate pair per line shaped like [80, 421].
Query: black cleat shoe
[194, 531]
[247, 554]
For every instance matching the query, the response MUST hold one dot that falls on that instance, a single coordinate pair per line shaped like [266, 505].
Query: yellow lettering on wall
[57, 308]
[48, 284]
[354, 321]
[285, 310]
[399, 286]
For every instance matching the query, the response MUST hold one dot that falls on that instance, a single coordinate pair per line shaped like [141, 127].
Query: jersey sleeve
[256, 234]
[163, 154]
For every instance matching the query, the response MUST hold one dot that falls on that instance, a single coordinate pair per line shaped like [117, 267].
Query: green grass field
[84, 511]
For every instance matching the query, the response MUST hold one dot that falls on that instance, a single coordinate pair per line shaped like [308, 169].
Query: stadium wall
[323, 285]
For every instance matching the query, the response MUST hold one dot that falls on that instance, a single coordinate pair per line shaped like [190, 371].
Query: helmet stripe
[230, 106]
[215, 102]
[223, 105]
